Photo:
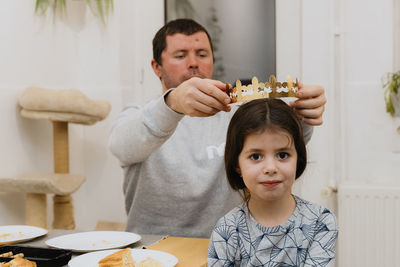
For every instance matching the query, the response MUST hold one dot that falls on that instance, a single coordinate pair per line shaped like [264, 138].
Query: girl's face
[267, 164]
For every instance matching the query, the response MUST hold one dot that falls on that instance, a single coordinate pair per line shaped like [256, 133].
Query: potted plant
[391, 85]
[100, 8]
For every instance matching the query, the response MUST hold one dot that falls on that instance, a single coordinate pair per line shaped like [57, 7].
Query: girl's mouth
[271, 184]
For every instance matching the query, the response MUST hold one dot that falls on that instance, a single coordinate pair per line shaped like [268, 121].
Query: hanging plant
[391, 85]
[56, 5]
[100, 8]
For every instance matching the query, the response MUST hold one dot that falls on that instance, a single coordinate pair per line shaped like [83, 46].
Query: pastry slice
[121, 258]
[19, 262]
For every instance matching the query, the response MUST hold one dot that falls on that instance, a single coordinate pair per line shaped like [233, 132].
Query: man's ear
[156, 68]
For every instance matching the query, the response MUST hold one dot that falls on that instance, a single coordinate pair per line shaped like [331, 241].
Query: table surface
[189, 251]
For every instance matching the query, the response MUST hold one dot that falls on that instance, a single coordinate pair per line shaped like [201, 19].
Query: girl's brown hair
[254, 117]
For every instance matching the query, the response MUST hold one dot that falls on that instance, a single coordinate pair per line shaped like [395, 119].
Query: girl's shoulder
[234, 216]
[314, 212]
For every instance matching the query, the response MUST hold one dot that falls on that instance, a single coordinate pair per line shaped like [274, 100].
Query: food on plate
[149, 262]
[10, 254]
[256, 89]
[19, 262]
[121, 258]
[6, 254]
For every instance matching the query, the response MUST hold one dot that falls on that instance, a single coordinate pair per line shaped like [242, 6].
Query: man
[171, 149]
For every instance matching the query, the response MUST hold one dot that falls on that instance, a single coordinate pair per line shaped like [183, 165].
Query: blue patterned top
[307, 238]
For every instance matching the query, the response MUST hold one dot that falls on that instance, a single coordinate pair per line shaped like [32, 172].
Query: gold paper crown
[271, 89]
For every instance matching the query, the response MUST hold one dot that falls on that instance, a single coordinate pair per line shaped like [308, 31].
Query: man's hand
[310, 105]
[198, 97]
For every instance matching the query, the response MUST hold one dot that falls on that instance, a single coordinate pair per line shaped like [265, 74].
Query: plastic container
[44, 257]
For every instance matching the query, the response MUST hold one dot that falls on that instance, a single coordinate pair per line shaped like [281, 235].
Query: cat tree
[61, 107]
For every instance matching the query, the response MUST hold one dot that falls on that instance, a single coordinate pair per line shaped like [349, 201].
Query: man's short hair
[183, 26]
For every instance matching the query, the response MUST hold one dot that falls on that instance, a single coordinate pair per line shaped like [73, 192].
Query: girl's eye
[283, 155]
[256, 157]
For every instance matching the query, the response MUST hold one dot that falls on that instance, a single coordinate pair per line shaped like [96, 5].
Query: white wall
[338, 44]
[373, 145]
[103, 63]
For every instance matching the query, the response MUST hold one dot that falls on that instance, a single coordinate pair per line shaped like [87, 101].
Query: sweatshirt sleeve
[139, 131]
[307, 131]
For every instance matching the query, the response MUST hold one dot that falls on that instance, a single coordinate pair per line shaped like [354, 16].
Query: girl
[264, 154]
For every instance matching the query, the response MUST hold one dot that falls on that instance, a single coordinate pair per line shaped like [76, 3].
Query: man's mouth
[191, 75]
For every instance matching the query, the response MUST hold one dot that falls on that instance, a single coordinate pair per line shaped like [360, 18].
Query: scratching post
[60, 147]
[61, 107]
[63, 212]
[62, 205]
[36, 211]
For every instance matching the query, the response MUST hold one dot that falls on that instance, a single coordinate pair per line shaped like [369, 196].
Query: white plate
[20, 233]
[92, 259]
[92, 241]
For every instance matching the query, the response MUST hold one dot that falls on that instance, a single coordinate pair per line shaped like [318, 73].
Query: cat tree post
[36, 209]
[62, 205]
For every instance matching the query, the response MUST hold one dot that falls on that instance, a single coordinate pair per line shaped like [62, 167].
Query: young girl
[264, 154]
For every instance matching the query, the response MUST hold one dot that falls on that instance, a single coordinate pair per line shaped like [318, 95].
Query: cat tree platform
[37, 185]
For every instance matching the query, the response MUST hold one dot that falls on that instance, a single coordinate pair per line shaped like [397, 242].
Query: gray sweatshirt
[174, 176]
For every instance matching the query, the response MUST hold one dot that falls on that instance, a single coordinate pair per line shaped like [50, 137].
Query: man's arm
[310, 107]
[139, 131]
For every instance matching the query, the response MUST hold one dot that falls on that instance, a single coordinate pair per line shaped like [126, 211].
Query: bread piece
[121, 258]
[19, 262]
[149, 262]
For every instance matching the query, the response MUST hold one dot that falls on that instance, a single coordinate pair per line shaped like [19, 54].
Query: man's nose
[193, 61]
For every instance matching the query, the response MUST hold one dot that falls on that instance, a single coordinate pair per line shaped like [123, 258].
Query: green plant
[100, 8]
[56, 5]
[391, 85]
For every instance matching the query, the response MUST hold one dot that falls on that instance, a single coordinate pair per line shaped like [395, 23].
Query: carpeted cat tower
[61, 107]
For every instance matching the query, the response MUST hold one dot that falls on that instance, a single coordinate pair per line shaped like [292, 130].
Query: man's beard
[193, 73]
[173, 84]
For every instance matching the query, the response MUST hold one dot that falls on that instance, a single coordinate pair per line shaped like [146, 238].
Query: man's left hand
[310, 104]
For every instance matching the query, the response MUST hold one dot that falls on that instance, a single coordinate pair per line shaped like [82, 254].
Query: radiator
[369, 225]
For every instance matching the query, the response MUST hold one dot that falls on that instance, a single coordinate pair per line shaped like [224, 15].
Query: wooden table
[189, 251]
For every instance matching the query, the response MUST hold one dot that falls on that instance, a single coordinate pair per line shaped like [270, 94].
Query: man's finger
[309, 103]
[310, 113]
[215, 89]
[310, 91]
[313, 122]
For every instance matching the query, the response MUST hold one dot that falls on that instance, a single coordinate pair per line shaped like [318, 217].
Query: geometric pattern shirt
[307, 238]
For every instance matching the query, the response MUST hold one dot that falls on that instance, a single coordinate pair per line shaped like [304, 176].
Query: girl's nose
[269, 167]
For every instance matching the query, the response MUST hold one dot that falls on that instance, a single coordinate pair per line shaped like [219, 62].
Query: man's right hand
[198, 97]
